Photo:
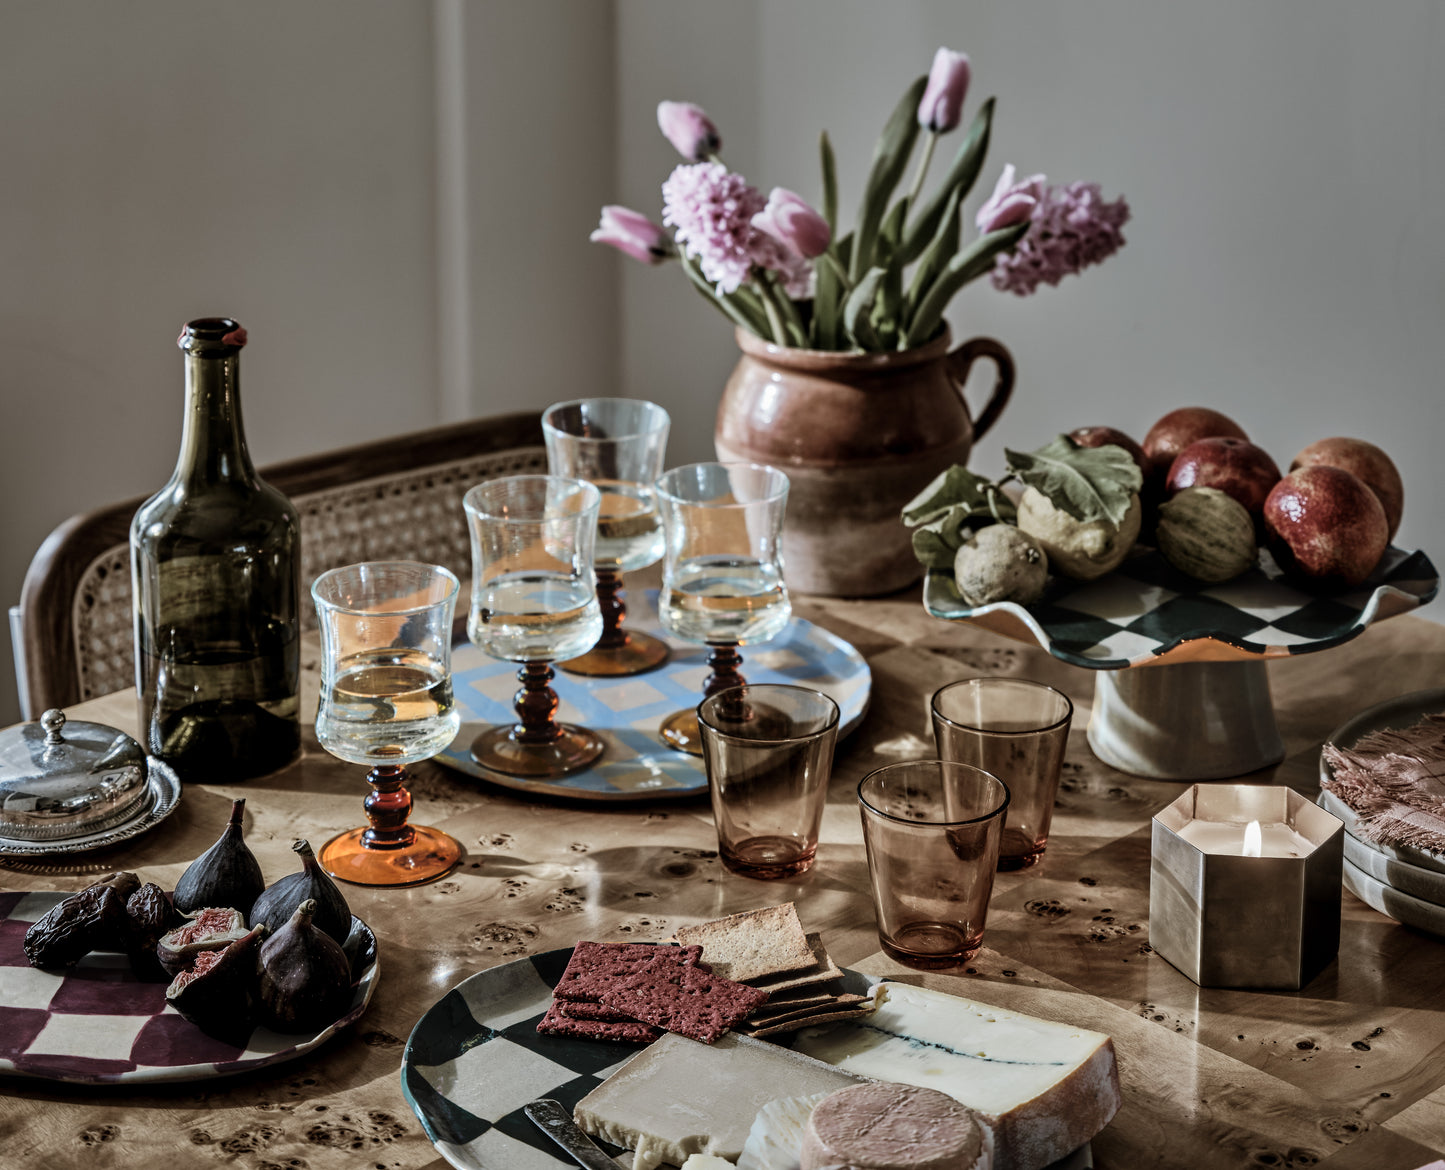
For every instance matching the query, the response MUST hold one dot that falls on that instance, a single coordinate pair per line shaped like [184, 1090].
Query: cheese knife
[549, 1116]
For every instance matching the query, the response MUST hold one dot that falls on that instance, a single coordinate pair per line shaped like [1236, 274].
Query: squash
[1207, 534]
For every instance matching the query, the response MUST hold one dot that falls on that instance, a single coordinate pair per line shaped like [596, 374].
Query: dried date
[93, 919]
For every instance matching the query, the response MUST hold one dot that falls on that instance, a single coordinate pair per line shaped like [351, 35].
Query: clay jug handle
[961, 360]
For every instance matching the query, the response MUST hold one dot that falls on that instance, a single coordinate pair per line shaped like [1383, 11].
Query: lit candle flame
[1253, 842]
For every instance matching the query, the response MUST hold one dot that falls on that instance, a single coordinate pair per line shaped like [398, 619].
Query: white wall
[1285, 164]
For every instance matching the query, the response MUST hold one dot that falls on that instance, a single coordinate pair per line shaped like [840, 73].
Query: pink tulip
[1015, 207]
[792, 223]
[689, 130]
[632, 232]
[942, 104]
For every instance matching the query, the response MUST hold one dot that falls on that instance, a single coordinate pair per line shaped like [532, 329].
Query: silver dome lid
[60, 780]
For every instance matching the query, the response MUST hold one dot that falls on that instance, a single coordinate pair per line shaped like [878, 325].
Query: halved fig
[217, 992]
[211, 929]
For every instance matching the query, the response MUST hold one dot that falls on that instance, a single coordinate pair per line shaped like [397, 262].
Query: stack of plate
[1401, 881]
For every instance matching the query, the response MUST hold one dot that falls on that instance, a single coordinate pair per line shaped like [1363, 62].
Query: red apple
[1366, 462]
[1325, 526]
[1177, 429]
[1235, 466]
[1108, 436]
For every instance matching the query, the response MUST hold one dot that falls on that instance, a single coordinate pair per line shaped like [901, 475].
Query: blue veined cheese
[1045, 1088]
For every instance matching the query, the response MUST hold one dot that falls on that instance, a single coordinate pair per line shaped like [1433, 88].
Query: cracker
[554, 1023]
[595, 966]
[756, 943]
[581, 1009]
[823, 970]
[776, 1027]
[775, 1008]
[694, 1003]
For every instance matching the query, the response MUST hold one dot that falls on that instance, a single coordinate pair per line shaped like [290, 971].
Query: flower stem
[793, 333]
[775, 314]
[838, 270]
[923, 160]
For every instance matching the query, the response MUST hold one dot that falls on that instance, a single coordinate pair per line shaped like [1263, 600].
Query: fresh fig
[305, 976]
[217, 992]
[211, 929]
[226, 874]
[150, 915]
[275, 907]
[93, 919]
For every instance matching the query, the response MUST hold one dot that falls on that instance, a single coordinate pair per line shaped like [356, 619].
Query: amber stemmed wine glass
[722, 577]
[616, 444]
[534, 602]
[386, 701]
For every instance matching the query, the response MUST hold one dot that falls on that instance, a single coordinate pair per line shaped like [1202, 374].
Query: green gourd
[1207, 534]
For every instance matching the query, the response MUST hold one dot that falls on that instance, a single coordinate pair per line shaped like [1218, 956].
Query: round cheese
[895, 1127]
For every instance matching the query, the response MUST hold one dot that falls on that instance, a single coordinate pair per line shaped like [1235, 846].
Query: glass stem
[536, 705]
[614, 637]
[724, 661]
[388, 806]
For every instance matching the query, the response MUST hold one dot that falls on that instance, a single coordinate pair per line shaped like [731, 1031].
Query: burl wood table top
[1349, 1071]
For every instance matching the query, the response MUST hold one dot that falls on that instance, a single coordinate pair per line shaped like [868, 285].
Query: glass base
[679, 731]
[431, 854]
[931, 946]
[575, 749]
[767, 859]
[1019, 851]
[639, 654]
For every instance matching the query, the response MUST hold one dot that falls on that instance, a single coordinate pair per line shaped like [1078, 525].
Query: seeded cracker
[683, 999]
[754, 944]
[596, 966]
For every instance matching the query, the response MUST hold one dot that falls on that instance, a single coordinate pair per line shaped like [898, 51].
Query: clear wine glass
[617, 444]
[722, 577]
[534, 602]
[386, 701]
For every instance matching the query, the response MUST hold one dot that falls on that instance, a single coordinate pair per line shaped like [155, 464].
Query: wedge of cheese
[1045, 1088]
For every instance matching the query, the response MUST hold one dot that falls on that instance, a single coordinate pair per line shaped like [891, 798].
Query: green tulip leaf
[942, 249]
[890, 159]
[830, 183]
[859, 305]
[1089, 483]
[960, 178]
[969, 264]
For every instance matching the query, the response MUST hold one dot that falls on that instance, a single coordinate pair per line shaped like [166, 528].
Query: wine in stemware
[386, 702]
[617, 444]
[722, 583]
[534, 602]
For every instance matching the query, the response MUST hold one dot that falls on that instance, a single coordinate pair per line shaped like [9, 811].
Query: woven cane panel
[412, 515]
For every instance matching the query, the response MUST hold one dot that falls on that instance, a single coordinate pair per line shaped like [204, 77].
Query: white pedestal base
[1185, 721]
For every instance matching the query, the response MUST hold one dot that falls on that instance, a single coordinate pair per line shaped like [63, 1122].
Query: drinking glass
[386, 701]
[722, 577]
[1018, 731]
[769, 753]
[534, 602]
[617, 444]
[931, 831]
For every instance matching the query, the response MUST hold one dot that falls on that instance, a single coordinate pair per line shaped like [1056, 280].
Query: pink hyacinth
[1071, 228]
[689, 129]
[941, 106]
[712, 210]
[633, 233]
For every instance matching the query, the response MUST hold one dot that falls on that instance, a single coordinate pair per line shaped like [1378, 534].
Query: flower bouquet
[781, 270]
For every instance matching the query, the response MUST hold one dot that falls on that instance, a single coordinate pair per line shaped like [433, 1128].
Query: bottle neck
[213, 440]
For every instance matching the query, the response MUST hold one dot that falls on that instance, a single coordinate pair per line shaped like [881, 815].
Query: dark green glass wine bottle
[215, 565]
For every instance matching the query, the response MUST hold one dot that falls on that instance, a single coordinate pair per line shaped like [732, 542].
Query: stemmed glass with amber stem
[722, 577]
[386, 701]
[616, 444]
[534, 602]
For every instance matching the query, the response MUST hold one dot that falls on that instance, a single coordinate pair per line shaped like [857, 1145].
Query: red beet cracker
[556, 1023]
[683, 999]
[595, 966]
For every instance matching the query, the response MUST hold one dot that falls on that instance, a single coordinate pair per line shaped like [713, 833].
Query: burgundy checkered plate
[96, 1024]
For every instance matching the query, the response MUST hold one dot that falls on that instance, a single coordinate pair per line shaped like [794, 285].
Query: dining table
[1348, 1071]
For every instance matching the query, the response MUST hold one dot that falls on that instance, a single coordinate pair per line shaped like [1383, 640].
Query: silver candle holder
[1227, 919]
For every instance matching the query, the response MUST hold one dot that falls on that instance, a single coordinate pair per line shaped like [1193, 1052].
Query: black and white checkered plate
[1146, 611]
[475, 1059]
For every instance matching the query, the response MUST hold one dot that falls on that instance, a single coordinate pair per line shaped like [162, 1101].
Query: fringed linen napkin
[1395, 781]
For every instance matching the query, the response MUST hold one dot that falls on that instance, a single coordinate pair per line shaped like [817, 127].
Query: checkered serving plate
[475, 1059]
[95, 1023]
[626, 711]
[1146, 611]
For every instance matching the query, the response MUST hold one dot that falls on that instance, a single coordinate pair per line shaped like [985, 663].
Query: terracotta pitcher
[858, 434]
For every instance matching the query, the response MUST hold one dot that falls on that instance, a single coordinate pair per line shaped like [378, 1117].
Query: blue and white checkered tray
[1146, 611]
[626, 712]
[96, 1024]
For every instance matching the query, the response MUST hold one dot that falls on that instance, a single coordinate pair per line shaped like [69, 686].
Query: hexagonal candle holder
[1262, 913]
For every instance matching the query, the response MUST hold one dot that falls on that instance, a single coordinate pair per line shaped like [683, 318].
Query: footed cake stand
[1207, 714]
